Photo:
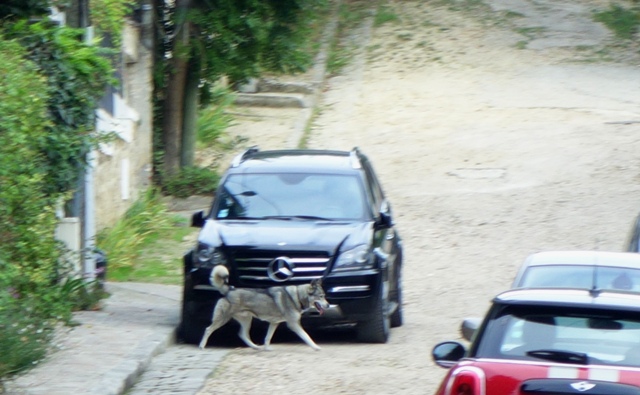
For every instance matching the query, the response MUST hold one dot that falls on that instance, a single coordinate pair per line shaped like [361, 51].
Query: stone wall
[122, 168]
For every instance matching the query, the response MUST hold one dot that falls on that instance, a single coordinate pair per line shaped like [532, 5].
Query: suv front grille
[253, 267]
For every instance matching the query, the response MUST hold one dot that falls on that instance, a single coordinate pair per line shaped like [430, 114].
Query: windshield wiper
[560, 356]
[282, 217]
[290, 217]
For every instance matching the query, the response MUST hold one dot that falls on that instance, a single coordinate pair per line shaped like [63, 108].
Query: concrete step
[276, 86]
[292, 100]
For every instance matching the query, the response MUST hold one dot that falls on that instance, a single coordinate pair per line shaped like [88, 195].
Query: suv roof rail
[354, 156]
[240, 157]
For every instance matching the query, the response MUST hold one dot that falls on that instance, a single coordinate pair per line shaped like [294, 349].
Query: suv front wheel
[376, 328]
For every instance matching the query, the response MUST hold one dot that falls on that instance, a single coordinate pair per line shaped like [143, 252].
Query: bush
[147, 216]
[213, 120]
[27, 218]
[24, 339]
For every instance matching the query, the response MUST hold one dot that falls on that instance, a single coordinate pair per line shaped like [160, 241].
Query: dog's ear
[317, 283]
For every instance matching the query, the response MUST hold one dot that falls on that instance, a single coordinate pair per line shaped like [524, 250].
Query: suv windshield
[285, 195]
[569, 335]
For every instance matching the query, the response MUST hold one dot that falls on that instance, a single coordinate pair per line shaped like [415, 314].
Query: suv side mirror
[385, 219]
[197, 219]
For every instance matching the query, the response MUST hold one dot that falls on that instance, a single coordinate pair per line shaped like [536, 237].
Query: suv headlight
[207, 256]
[356, 258]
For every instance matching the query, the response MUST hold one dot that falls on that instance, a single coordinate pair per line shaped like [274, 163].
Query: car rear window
[603, 336]
[581, 276]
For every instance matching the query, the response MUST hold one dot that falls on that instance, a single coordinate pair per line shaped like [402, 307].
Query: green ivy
[77, 75]
[109, 16]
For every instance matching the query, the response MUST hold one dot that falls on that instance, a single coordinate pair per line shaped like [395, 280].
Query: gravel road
[499, 129]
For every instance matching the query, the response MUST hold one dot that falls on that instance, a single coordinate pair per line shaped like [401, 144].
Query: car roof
[298, 160]
[571, 297]
[586, 258]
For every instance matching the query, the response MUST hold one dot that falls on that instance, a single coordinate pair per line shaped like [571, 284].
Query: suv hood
[287, 234]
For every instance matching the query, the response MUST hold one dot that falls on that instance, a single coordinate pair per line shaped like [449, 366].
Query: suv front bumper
[352, 296]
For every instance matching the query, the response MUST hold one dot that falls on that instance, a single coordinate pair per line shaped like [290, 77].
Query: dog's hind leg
[245, 324]
[267, 339]
[297, 328]
[221, 316]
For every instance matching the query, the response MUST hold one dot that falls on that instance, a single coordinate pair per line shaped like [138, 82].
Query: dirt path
[498, 130]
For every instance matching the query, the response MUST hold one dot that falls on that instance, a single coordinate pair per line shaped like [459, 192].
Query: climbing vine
[108, 16]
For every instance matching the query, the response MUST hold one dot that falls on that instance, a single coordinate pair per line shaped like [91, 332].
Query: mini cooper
[548, 341]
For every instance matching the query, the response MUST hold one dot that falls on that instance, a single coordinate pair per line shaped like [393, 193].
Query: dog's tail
[220, 279]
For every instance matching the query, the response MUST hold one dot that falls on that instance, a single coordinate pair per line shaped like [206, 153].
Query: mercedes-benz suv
[287, 217]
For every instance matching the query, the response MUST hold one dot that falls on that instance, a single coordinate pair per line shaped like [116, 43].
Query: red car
[551, 342]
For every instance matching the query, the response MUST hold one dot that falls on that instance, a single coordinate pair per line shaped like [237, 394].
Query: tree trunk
[173, 111]
[189, 123]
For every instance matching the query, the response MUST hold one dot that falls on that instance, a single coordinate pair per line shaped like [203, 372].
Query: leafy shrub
[192, 181]
[27, 219]
[213, 120]
[24, 338]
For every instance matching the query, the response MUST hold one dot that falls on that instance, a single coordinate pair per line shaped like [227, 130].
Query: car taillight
[466, 380]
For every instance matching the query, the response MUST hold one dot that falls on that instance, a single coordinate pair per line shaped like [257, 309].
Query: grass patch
[145, 244]
[159, 259]
[622, 21]
[513, 14]
[385, 15]
[341, 50]
[530, 32]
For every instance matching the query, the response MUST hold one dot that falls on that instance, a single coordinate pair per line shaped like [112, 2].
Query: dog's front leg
[267, 339]
[220, 317]
[294, 326]
[245, 325]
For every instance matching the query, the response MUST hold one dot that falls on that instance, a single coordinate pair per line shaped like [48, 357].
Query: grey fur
[273, 305]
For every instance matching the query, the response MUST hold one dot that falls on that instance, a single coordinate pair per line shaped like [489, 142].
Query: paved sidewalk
[110, 348]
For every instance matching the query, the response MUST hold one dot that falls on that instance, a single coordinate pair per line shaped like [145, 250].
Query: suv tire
[191, 329]
[396, 317]
[376, 328]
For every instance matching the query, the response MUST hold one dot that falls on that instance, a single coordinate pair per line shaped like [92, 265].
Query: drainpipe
[89, 228]
[89, 220]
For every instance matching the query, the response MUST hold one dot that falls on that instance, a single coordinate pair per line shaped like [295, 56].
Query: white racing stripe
[604, 375]
[565, 372]
[562, 372]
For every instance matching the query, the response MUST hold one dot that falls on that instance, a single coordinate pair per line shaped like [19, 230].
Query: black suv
[286, 217]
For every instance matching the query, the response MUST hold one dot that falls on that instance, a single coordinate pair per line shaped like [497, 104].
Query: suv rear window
[331, 196]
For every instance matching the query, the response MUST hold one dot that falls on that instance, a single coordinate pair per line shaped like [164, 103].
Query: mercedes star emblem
[280, 269]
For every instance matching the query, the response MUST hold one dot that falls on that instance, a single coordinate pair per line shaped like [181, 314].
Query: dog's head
[316, 296]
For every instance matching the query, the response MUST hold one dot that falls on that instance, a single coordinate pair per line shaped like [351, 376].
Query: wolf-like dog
[273, 305]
